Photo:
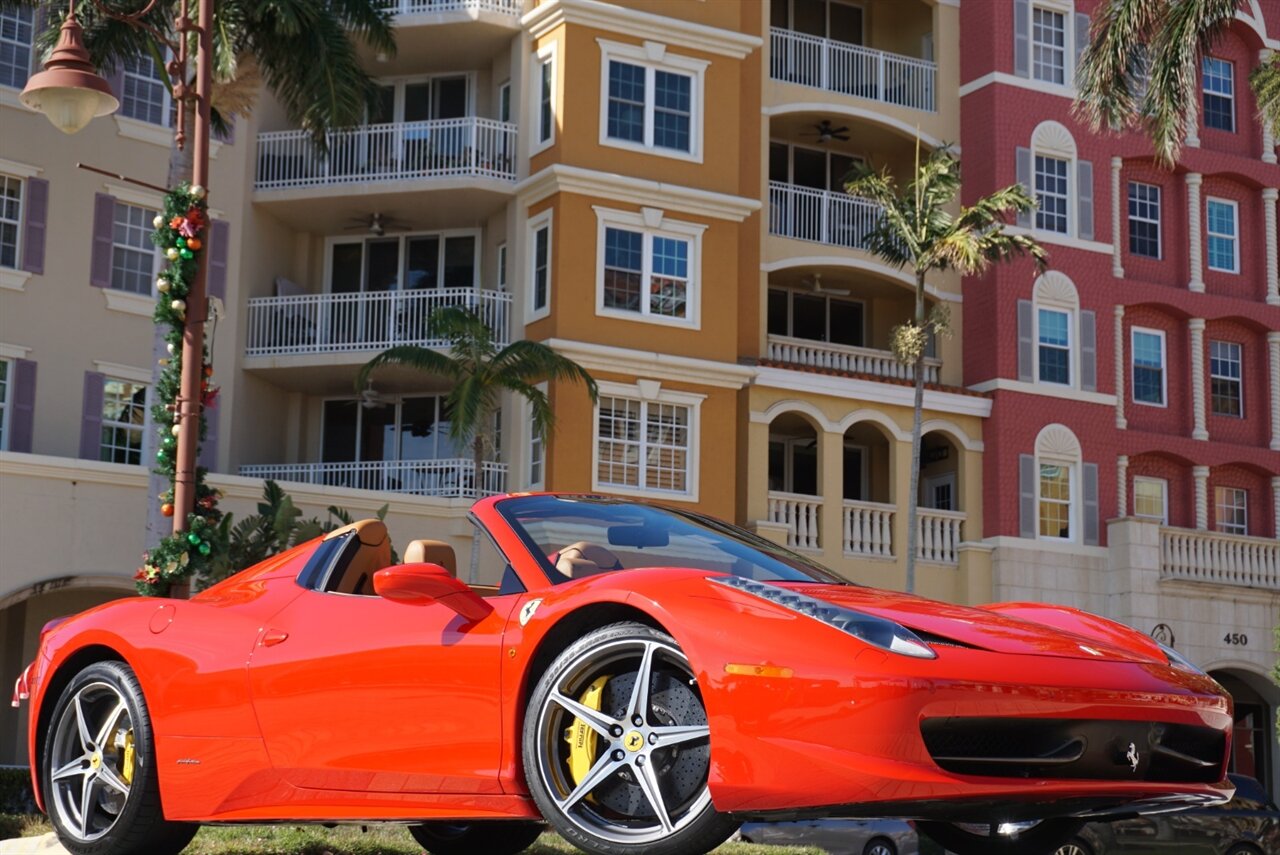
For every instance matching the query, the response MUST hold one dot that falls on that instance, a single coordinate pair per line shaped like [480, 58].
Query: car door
[358, 692]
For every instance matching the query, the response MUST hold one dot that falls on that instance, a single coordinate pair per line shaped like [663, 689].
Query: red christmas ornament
[166, 509]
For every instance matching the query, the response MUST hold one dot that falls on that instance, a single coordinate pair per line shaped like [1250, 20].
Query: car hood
[977, 627]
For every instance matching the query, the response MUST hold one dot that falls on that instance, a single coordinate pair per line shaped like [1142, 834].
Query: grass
[343, 840]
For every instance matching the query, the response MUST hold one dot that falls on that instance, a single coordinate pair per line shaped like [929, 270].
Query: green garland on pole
[180, 231]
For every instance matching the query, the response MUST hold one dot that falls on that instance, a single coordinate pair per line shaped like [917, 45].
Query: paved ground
[45, 844]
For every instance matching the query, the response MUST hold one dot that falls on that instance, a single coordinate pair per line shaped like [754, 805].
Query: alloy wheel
[93, 760]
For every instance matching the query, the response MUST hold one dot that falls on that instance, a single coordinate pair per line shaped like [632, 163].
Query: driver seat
[372, 554]
[432, 552]
[586, 559]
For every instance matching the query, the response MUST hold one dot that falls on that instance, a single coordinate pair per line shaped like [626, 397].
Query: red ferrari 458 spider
[641, 678]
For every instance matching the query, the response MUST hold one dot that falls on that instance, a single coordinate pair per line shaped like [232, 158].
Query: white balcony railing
[868, 528]
[342, 323]
[938, 535]
[852, 70]
[842, 357]
[432, 7]
[439, 148]
[450, 479]
[1224, 559]
[802, 515]
[820, 216]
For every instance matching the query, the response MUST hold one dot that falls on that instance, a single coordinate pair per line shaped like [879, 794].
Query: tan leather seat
[585, 559]
[373, 554]
[432, 552]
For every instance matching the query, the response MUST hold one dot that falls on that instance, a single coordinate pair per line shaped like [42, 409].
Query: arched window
[1060, 182]
[1057, 341]
[1058, 491]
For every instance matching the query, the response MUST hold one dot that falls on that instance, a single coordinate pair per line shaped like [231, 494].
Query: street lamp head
[69, 91]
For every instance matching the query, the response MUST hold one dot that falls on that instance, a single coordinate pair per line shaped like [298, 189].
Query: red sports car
[641, 678]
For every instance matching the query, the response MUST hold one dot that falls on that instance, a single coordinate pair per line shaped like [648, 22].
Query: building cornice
[1067, 393]
[869, 390]
[562, 178]
[1038, 86]
[1042, 545]
[73, 469]
[546, 16]
[683, 369]
[1055, 239]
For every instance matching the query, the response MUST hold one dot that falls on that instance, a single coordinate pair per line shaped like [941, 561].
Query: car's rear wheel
[468, 838]
[617, 747]
[99, 773]
[996, 838]
[1074, 846]
[880, 846]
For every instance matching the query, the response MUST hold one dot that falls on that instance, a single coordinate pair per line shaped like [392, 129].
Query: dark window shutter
[41, 24]
[1088, 352]
[1026, 352]
[22, 416]
[1025, 179]
[35, 224]
[219, 235]
[115, 79]
[91, 416]
[1089, 472]
[1084, 198]
[104, 215]
[1027, 496]
[1022, 38]
[1082, 37]
[209, 445]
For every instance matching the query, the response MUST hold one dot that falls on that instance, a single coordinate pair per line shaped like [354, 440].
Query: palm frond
[411, 356]
[531, 360]
[1265, 80]
[1105, 79]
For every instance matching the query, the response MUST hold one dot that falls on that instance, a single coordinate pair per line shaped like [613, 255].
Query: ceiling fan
[376, 223]
[826, 133]
[815, 285]
[370, 398]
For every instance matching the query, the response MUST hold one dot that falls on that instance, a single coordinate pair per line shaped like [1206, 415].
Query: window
[1144, 219]
[1224, 251]
[124, 411]
[1051, 194]
[1225, 378]
[10, 219]
[645, 270]
[133, 255]
[1054, 334]
[412, 262]
[1150, 498]
[1049, 40]
[643, 445]
[537, 448]
[821, 169]
[1055, 501]
[6, 383]
[502, 267]
[793, 464]
[544, 106]
[1219, 94]
[1231, 510]
[827, 19]
[504, 102]
[1148, 367]
[17, 31]
[420, 99]
[146, 94]
[540, 264]
[816, 317]
[651, 103]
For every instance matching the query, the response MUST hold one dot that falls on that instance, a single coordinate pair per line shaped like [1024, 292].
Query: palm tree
[481, 373]
[915, 229]
[1141, 64]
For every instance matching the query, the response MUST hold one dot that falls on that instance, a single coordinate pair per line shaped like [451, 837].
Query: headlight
[875, 631]
[1177, 660]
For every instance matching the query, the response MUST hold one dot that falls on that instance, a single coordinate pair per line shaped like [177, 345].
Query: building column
[1122, 485]
[1268, 141]
[1121, 421]
[1196, 326]
[831, 488]
[1273, 348]
[1275, 506]
[1194, 180]
[1269, 195]
[1201, 474]
[1117, 269]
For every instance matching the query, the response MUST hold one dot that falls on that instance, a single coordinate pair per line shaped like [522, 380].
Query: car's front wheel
[98, 772]
[617, 747]
[492, 837]
[999, 838]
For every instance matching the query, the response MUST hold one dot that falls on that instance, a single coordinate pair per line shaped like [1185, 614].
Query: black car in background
[1249, 824]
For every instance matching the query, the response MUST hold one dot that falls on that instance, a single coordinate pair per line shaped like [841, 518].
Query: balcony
[820, 216]
[849, 69]
[1222, 559]
[867, 528]
[445, 479]
[801, 514]
[847, 359]
[469, 8]
[359, 322]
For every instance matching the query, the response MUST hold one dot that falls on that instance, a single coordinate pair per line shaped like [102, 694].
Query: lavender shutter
[1022, 38]
[104, 215]
[1084, 196]
[1088, 352]
[41, 24]
[35, 225]
[22, 416]
[1026, 352]
[1023, 167]
[1081, 37]
[219, 235]
[91, 416]
[1090, 478]
[1026, 495]
[209, 445]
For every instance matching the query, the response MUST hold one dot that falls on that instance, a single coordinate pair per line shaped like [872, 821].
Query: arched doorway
[1253, 743]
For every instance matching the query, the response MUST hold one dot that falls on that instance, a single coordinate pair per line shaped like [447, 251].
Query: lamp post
[71, 93]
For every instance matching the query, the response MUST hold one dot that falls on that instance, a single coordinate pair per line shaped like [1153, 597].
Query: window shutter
[35, 225]
[91, 416]
[219, 235]
[115, 79]
[1088, 352]
[1089, 471]
[1026, 495]
[1082, 38]
[1026, 354]
[22, 417]
[1025, 179]
[1084, 195]
[209, 445]
[104, 214]
[41, 24]
[1022, 38]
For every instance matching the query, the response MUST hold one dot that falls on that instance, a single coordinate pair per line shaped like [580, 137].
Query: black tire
[1243, 849]
[1074, 846]
[1044, 837]
[102, 797]
[492, 837]
[880, 846]
[653, 741]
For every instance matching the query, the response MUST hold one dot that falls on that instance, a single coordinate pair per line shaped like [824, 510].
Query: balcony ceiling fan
[815, 285]
[371, 399]
[377, 223]
[826, 133]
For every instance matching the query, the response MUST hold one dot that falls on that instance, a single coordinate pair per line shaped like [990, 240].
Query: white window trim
[1217, 516]
[504, 91]
[1164, 496]
[653, 56]
[1130, 218]
[1071, 196]
[390, 400]
[1068, 42]
[135, 376]
[794, 292]
[6, 401]
[1133, 367]
[166, 97]
[534, 225]
[158, 259]
[501, 272]
[651, 222]
[19, 223]
[399, 82]
[1235, 124]
[1235, 239]
[527, 413]
[1073, 349]
[1239, 381]
[443, 234]
[1073, 498]
[650, 391]
[546, 55]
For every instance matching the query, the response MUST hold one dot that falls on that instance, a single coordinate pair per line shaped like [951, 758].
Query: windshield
[578, 536]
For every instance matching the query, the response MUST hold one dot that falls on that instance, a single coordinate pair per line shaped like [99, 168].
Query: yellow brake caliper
[126, 765]
[581, 736]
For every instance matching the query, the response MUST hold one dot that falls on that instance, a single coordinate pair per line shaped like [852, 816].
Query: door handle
[272, 637]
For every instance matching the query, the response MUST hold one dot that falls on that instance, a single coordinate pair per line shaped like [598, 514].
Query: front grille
[1075, 749]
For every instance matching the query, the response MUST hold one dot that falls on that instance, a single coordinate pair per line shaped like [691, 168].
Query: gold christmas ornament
[178, 305]
[171, 253]
[197, 192]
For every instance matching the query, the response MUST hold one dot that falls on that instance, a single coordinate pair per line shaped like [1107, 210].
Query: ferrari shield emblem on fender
[526, 612]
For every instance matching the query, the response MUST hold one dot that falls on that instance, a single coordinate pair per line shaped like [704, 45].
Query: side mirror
[424, 584]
